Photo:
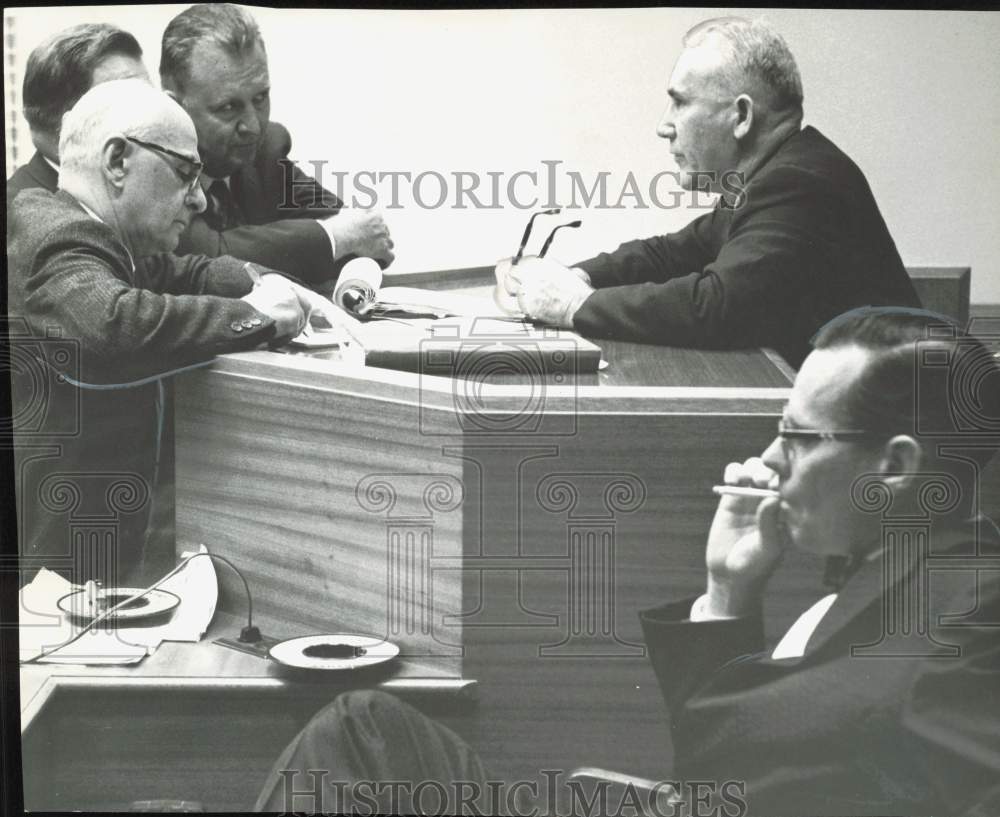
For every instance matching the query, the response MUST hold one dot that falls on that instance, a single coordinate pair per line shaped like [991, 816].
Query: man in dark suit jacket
[882, 698]
[59, 71]
[261, 207]
[36, 173]
[94, 333]
[795, 239]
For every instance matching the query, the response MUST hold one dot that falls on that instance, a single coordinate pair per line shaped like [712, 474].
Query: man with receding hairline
[795, 238]
[59, 71]
[261, 207]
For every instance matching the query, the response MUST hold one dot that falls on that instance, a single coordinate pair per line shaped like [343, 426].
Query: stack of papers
[43, 626]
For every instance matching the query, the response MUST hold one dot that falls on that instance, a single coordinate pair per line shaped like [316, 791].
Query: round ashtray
[152, 605]
[335, 651]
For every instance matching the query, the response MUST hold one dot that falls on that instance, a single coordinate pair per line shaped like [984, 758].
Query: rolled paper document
[739, 490]
[358, 285]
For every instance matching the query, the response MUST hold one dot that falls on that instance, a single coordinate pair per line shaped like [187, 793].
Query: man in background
[795, 238]
[261, 207]
[102, 311]
[60, 71]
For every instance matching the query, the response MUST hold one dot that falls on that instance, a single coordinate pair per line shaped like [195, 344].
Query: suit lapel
[877, 581]
[862, 590]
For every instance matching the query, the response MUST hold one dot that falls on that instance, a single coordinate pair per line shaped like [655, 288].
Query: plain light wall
[913, 97]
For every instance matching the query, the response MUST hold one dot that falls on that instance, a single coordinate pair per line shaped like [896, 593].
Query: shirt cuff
[700, 611]
[327, 226]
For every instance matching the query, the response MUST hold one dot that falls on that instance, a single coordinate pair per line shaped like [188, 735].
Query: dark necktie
[222, 211]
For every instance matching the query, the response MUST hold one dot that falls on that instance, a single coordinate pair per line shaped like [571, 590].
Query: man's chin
[696, 180]
[241, 156]
[233, 162]
[170, 239]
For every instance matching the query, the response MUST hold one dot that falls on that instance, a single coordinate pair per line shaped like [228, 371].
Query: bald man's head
[130, 153]
[121, 107]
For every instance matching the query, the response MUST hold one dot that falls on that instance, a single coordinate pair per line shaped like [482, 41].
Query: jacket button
[256, 322]
[236, 326]
[248, 324]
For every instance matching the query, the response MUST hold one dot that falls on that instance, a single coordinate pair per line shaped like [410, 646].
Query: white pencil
[737, 490]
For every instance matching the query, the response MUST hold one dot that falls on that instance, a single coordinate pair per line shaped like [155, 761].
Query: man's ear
[744, 116]
[114, 164]
[902, 457]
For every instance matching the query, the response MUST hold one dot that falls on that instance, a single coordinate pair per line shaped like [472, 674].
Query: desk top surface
[207, 662]
[629, 365]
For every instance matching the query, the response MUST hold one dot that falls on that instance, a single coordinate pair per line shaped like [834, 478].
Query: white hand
[362, 232]
[547, 291]
[745, 543]
[276, 297]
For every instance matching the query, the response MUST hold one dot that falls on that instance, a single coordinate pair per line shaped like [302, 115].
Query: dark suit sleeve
[281, 205]
[951, 720]
[194, 275]
[777, 250]
[685, 654]
[124, 332]
[657, 259]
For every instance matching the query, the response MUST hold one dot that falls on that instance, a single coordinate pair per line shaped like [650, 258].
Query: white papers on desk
[198, 589]
[43, 626]
[407, 333]
[334, 337]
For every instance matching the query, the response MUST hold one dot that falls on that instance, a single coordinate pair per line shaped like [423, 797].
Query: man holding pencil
[854, 711]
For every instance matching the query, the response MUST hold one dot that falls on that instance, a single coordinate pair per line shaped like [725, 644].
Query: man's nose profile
[196, 200]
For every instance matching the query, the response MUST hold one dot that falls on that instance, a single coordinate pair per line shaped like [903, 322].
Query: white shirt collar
[49, 162]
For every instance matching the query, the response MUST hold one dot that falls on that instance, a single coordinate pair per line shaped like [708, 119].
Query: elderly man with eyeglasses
[94, 332]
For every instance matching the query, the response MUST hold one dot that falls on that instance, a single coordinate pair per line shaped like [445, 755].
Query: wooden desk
[504, 535]
[510, 531]
[192, 722]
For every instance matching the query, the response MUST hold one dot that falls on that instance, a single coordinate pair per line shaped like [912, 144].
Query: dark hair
[61, 70]
[228, 26]
[925, 376]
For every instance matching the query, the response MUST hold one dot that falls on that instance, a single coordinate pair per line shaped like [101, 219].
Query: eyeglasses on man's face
[788, 435]
[189, 174]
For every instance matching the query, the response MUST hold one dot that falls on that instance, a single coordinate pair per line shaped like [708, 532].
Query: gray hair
[127, 107]
[230, 27]
[758, 54]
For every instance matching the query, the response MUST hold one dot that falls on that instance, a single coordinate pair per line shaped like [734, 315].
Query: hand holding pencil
[746, 541]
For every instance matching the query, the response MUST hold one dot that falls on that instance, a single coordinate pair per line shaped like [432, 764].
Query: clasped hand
[364, 233]
[546, 291]
[745, 543]
[290, 305]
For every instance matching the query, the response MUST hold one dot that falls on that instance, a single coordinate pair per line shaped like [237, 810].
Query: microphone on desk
[358, 285]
